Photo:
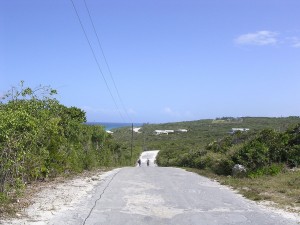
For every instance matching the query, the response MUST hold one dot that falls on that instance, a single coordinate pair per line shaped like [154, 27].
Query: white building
[233, 130]
[182, 130]
[158, 132]
[169, 131]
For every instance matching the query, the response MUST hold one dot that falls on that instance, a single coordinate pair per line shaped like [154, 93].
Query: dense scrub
[40, 138]
[262, 152]
[269, 145]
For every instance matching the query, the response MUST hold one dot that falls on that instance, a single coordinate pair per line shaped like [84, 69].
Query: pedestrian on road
[148, 162]
[139, 162]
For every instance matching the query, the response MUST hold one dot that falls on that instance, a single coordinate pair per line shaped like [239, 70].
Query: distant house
[182, 130]
[233, 130]
[169, 131]
[137, 130]
[109, 132]
[158, 132]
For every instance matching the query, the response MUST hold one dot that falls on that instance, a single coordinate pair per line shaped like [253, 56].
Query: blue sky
[171, 60]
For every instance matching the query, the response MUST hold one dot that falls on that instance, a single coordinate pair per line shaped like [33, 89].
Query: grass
[283, 189]
[9, 204]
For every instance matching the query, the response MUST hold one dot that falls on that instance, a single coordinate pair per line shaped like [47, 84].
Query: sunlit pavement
[151, 155]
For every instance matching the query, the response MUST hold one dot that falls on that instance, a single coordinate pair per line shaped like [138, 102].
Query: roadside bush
[270, 147]
[199, 162]
[185, 160]
[253, 155]
[293, 156]
[41, 138]
[260, 152]
[164, 157]
[271, 170]
[223, 166]
[221, 145]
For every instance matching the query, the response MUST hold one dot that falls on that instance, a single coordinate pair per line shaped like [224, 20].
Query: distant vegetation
[41, 138]
[261, 152]
[269, 145]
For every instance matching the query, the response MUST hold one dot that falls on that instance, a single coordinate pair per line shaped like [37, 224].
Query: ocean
[109, 126]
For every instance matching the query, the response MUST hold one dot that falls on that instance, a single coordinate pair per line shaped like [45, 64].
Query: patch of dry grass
[282, 189]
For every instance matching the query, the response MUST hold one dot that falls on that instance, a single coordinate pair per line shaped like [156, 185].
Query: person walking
[139, 162]
[148, 162]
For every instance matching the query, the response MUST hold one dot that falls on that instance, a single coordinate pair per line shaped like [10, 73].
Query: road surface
[154, 195]
[151, 155]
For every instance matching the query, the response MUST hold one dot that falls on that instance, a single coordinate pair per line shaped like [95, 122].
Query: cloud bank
[295, 42]
[263, 37]
[266, 37]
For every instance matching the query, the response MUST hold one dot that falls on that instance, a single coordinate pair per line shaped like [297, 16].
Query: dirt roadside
[42, 200]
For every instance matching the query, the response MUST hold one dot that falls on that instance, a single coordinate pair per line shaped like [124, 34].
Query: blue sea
[109, 126]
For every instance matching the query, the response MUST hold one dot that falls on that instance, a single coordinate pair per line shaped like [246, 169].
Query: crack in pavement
[100, 197]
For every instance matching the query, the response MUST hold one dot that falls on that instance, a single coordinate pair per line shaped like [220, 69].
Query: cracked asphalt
[155, 195]
[150, 195]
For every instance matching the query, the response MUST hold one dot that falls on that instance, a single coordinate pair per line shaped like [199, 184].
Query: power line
[108, 67]
[96, 60]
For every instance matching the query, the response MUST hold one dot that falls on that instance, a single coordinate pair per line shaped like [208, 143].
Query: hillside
[200, 132]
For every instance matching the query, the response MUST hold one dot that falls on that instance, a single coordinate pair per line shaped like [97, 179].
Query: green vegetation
[208, 143]
[264, 152]
[41, 138]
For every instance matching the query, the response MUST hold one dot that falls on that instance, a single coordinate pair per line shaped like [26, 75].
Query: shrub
[293, 156]
[271, 170]
[253, 155]
[224, 166]
[199, 162]
[39, 137]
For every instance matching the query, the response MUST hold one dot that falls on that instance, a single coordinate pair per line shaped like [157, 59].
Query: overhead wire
[96, 60]
[105, 60]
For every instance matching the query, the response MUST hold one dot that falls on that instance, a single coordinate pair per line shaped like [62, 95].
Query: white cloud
[167, 110]
[263, 37]
[296, 45]
[170, 112]
[295, 42]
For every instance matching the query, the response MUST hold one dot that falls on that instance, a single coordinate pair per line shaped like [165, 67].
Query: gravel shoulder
[43, 200]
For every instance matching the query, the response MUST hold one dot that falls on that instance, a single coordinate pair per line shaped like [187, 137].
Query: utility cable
[107, 65]
[96, 60]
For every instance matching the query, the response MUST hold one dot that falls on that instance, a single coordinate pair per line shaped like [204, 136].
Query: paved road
[155, 195]
[151, 155]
